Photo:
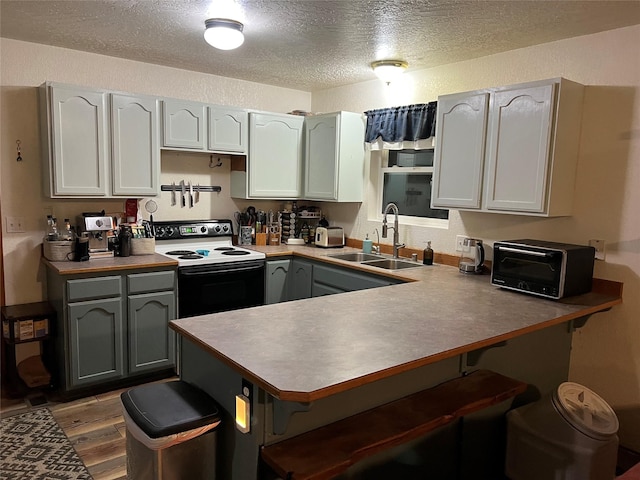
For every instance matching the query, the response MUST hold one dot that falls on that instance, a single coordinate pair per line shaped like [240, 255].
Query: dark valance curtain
[397, 124]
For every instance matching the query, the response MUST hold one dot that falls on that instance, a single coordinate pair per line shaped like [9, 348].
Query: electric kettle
[472, 258]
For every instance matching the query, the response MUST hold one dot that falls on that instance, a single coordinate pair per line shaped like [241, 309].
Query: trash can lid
[585, 410]
[162, 409]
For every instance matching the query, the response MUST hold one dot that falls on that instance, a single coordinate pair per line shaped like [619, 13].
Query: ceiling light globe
[223, 34]
[389, 70]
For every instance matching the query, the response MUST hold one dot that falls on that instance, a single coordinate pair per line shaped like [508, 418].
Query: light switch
[15, 224]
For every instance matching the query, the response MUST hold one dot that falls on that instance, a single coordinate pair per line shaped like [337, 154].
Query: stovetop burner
[181, 252]
[183, 240]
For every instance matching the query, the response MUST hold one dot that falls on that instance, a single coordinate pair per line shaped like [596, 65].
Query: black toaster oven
[548, 269]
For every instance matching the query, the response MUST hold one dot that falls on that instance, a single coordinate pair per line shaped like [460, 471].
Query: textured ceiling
[309, 44]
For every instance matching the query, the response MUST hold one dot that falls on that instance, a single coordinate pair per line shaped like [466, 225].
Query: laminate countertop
[309, 349]
[111, 264]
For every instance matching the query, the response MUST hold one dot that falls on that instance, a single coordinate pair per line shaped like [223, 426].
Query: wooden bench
[328, 451]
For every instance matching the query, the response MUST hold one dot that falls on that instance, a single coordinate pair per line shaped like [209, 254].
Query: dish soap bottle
[367, 244]
[427, 255]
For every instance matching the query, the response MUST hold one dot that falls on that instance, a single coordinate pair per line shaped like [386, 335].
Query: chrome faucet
[396, 246]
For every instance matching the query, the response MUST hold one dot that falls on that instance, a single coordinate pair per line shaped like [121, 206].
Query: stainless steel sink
[392, 264]
[355, 257]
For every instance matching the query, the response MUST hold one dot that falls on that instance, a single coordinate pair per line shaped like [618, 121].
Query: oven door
[215, 288]
[534, 270]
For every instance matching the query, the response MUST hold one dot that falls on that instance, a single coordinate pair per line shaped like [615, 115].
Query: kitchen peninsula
[311, 362]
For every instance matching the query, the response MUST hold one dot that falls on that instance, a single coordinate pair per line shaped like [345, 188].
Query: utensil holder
[143, 246]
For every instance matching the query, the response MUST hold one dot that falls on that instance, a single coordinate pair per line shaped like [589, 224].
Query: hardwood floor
[94, 425]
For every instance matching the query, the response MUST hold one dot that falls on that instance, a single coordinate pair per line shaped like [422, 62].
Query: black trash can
[171, 432]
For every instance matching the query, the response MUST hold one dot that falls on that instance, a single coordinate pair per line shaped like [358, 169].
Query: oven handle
[224, 270]
[524, 252]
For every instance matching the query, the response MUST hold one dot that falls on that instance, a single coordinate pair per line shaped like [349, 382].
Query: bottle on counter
[124, 240]
[427, 255]
[367, 244]
[67, 233]
[304, 232]
[52, 229]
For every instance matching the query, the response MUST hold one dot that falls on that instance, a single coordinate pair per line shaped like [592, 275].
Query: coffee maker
[97, 226]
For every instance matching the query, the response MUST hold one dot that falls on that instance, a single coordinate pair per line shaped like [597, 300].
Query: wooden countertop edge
[110, 268]
[307, 397]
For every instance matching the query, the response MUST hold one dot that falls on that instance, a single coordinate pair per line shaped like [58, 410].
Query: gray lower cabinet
[301, 277]
[295, 279]
[328, 280]
[276, 281]
[96, 337]
[111, 327]
[151, 343]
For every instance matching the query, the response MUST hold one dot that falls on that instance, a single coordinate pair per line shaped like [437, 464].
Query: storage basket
[58, 250]
[143, 246]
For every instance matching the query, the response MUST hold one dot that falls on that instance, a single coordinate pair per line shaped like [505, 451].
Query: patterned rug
[34, 447]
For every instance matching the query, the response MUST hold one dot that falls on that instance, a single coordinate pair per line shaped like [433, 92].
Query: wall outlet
[599, 246]
[460, 242]
[15, 224]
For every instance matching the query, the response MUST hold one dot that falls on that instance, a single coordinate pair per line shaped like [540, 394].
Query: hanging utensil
[197, 192]
[190, 195]
[151, 207]
[183, 190]
[173, 193]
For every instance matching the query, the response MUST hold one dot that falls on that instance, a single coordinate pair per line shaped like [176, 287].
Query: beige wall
[606, 352]
[24, 66]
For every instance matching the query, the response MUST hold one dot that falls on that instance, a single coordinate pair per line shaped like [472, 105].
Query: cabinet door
[275, 155]
[300, 277]
[321, 160]
[276, 283]
[183, 124]
[95, 341]
[459, 153]
[79, 142]
[228, 129]
[151, 342]
[135, 148]
[518, 150]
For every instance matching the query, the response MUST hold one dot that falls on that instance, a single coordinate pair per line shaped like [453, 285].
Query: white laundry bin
[569, 435]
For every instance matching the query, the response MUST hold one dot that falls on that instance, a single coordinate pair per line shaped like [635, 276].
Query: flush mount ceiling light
[389, 70]
[223, 33]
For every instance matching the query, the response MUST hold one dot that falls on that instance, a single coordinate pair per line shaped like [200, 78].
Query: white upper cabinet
[228, 129]
[524, 164]
[334, 157]
[184, 124]
[274, 166]
[74, 136]
[519, 148]
[98, 144]
[461, 127]
[135, 147]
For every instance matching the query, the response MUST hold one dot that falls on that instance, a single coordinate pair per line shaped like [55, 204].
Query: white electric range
[213, 274]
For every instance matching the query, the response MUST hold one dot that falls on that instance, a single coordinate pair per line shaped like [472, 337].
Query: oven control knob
[160, 232]
[170, 231]
[225, 228]
[203, 229]
[217, 228]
